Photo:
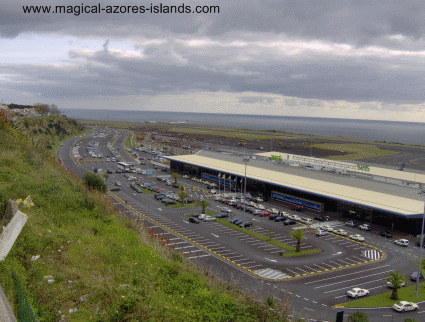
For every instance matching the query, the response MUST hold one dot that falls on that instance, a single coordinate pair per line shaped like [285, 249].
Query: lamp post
[246, 159]
[420, 256]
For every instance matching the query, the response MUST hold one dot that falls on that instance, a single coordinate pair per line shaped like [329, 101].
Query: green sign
[276, 157]
[363, 167]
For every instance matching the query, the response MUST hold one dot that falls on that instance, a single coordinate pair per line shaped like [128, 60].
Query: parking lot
[324, 277]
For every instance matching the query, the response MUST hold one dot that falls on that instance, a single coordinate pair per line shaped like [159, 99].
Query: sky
[341, 59]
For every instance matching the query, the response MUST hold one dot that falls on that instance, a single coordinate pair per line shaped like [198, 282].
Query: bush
[358, 316]
[94, 182]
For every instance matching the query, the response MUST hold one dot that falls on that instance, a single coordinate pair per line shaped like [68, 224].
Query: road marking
[185, 221]
[159, 209]
[252, 266]
[199, 256]
[337, 253]
[272, 260]
[331, 278]
[354, 279]
[214, 235]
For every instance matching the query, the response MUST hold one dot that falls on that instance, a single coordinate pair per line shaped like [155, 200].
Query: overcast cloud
[359, 59]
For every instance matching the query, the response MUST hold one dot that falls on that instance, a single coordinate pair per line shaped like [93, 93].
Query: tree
[358, 316]
[54, 109]
[182, 195]
[204, 204]
[175, 176]
[42, 108]
[410, 320]
[396, 279]
[298, 234]
[94, 182]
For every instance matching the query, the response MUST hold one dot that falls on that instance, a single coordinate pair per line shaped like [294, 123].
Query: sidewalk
[6, 313]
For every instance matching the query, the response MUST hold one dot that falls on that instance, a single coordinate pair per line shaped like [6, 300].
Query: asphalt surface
[313, 296]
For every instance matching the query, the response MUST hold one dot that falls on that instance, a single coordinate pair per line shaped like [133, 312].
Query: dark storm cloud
[357, 21]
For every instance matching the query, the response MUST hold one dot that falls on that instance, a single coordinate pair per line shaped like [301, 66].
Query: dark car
[170, 202]
[386, 234]
[273, 217]
[118, 171]
[223, 215]
[175, 185]
[280, 218]
[164, 170]
[109, 171]
[159, 196]
[138, 190]
[319, 218]
[234, 220]
[193, 220]
[115, 189]
[290, 222]
[245, 224]
[237, 222]
[249, 209]
[414, 276]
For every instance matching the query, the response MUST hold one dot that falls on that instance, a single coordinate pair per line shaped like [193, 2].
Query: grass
[182, 205]
[100, 250]
[355, 151]
[383, 300]
[269, 240]
[145, 190]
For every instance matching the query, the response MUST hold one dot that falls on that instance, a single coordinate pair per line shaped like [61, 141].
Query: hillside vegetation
[106, 267]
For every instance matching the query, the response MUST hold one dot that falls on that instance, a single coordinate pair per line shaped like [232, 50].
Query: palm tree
[204, 204]
[182, 195]
[175, 176]
[298, 234]
[396, 279]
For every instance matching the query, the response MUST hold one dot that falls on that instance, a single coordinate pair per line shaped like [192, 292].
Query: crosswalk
[371, 254]
[270, 273]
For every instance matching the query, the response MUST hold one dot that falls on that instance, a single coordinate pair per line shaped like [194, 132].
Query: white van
[232, 202]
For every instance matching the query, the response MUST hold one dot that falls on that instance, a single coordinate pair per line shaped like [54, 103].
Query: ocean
[388, 131]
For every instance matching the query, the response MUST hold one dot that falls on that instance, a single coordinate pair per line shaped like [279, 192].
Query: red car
[297, 208]
[239, 207]
[264, 214]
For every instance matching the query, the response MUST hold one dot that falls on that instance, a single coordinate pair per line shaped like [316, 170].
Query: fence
[25, 313]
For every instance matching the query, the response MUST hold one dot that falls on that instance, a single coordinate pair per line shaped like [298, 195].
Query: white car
[357, 237]
[357, 292]
[261, 207]
[321, 233]
[325, 227]
[390, 285]
[273, 211]
[225, 209]
[364, 227]
[217, 198]
[209, 218]
[341, 232]
[284, 214]
[202, 216]
[258, 199]
[213, 191]
[402, 242]
[404, 306]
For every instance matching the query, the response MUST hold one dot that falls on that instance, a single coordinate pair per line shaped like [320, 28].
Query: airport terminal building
[385, 197]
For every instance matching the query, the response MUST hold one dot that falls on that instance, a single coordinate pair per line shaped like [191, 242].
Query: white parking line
[253, 266]
[301, 269]
[184, 247]
[246, 262]
[199, 256]
[354, 279]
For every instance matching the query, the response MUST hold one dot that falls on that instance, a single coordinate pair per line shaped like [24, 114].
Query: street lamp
[420, 256]
[246, 160]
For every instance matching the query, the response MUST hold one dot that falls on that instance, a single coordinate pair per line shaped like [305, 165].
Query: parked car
[209, 218]
[289, 222]
[260, 207]
[319, 218]
[364, 227]
[357, 237]
[225, 209]
[170, 202]
[234, 220]
[174, 185]
[193, 220]
[273, 211]
[117, 183]
[357, 292]
[390, 285]
[237, 222]
[321, 232]
[280, 218]
[250, 209]
[341, 232]
[273, 216]
[327, 228]
[245, 224]
[297, 207]
[350, 224]
[414, 276]
[402, 242]
[222, 215]
[264, 214]
[404, 306]
[115, 189]
[159, 196]
[386, 234]
[257, 212]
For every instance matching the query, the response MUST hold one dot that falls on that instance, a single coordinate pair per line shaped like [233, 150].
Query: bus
[125, 167]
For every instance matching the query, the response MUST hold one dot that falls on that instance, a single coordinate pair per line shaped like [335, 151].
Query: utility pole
[246, 159]
[420, 256]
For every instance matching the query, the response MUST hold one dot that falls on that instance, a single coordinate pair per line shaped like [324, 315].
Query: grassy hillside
[108, 268]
